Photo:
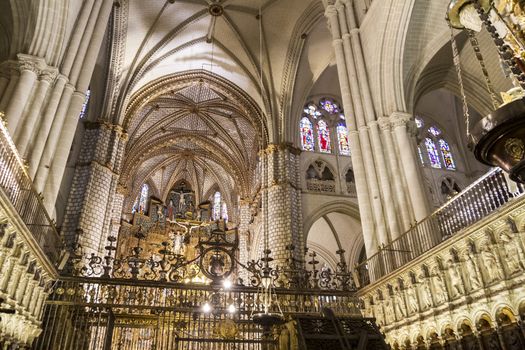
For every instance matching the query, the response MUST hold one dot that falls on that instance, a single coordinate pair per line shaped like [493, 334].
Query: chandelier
[499, 138]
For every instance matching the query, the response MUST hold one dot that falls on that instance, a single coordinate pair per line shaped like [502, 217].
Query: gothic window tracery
[342, 137]
[432, 152]
[319, 178]
[438, 151]
[328, 120]
[307, 135]
[448, 160]
[217, 206]
[141, 203]
[224, 212]
[83, 111]
[323, 137]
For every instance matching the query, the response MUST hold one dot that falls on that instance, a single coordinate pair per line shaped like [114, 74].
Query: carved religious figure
[491, 263]
[472, 271]
[399, 305]
[412, 302]
[426, 293]
[440, 289]
[389, 311]
[511, 251]
[456, 284]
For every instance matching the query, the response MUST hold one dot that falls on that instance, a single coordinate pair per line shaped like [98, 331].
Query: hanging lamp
[498, 139]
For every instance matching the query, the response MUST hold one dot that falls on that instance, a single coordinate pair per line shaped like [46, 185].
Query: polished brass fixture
[499, 138]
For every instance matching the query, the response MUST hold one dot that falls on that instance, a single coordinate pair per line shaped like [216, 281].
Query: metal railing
[476, 202]
[18, 187]
[109, 313]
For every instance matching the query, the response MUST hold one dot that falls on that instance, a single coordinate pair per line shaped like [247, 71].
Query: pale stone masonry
[94, 205]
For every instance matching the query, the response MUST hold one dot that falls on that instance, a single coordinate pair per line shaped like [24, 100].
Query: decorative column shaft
[282, 193]
[29, 69]
[415, 190]
[403, 207]
[46, 122]
[91, 204]
[380, 188]
[363, 196]
[13, 73]
[58, 165]
[25, 131]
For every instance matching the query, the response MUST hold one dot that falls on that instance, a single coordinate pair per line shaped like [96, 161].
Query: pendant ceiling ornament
[499, 138]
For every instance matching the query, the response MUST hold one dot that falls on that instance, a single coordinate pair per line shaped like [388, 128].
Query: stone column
[30, 67]
[18, 271]
[282, 199]
[6, 272]
[25, 131]
[61, 153]
[13, 73]
[361, 179]
[415, 190]
[91, 202]
[46, 122]
[361, 89]
[403, 207]
[4, 77]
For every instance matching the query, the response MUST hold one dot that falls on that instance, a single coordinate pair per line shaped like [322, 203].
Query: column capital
[400, 119]
[275, 147]
[31, 63]
[122, 189]
[48, 75]
[384, 123]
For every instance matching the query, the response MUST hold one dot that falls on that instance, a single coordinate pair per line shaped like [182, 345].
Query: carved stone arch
[484, 319]
[340, 206]
[464, 325]
[505, 314]
[288, 114]
[433, 337]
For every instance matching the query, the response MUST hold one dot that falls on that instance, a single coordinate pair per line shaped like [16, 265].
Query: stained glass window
[141, 203]
[433, 155]
[434, 131]
[216, 206]
[419, 122]
[312, 111]
[420, 155]
[342, 138]
[224, 212]
[324, 137]
[448, 161]
[307, 134]
[329, 106]
[83, 111]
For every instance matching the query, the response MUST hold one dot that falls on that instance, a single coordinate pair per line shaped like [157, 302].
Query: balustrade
[476, 202]
[17, 186]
